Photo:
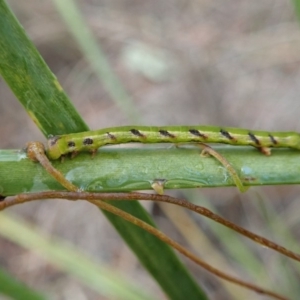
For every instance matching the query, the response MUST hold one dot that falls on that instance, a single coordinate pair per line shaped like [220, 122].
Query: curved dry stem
[94, 198]
[235, 177]
[36, 152]
[22, 198]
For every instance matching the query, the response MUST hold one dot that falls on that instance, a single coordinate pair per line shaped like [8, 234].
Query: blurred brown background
[231, 63]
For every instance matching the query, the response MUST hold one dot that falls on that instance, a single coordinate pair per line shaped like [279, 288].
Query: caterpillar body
[60, 145]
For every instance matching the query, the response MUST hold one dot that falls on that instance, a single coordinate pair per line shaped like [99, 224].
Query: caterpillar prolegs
[91, 140]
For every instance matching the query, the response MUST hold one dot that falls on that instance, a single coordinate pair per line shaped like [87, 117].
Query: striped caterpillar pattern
[91, 140]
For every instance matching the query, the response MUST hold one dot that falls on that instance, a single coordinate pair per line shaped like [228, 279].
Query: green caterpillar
[91, 140]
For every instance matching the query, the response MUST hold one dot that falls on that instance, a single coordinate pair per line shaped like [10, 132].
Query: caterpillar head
[54, 150]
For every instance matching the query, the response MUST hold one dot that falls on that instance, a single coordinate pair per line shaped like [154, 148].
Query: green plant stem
[121, 170]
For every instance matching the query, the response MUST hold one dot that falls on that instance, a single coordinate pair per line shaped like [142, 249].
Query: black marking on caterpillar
[2, 198]
[88, 141]
[273, 140]
[197, 133]
[254, 138]
[226, 134]
[111, 136]
[53, 139]
[71, 144]
[166, 133]
[136, 132]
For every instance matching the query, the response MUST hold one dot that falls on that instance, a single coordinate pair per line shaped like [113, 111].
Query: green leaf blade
[49, 107]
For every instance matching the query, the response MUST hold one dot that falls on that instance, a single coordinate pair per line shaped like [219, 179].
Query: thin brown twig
[92, 198]
[22, 198]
